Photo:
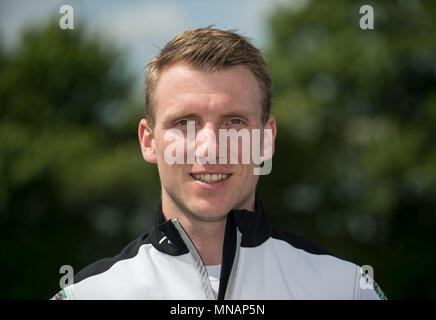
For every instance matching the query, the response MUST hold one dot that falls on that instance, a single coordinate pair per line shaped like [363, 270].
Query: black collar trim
[254, 227]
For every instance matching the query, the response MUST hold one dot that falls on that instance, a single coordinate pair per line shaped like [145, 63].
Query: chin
[208, 210]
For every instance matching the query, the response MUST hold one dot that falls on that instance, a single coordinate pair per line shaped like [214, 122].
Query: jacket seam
[235, 267]
[356, 294]
[198, 262]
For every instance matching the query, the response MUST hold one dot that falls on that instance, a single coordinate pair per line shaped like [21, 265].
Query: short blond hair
[208, 49]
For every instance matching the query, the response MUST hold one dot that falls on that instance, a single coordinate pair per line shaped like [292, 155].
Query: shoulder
[289, 244]
[103, 265]
[325, 274]
[97, 276]
[298, 242]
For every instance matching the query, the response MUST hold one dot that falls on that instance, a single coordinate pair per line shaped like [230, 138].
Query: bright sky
[141, 27]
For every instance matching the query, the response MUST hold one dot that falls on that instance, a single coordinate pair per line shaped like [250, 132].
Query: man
[211, 238]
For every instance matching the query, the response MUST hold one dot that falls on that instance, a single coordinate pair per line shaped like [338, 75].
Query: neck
[208, 239]
[207, 236]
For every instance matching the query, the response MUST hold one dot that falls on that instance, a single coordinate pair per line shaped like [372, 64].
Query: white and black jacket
[258, 262]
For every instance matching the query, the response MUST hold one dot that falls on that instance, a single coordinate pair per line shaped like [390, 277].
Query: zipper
[205, 282]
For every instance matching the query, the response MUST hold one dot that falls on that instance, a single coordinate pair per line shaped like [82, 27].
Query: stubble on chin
[203, 215]
[210, 214]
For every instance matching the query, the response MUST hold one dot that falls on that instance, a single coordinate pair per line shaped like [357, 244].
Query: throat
[210, 250]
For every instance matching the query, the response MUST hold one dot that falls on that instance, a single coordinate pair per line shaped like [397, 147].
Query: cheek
[171, 149]
[172, 177]
[167, 171]
[245, 174]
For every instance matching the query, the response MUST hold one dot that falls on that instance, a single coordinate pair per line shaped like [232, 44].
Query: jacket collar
[253, 225]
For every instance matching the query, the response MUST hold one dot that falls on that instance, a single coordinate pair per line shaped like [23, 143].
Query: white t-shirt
[214, 277]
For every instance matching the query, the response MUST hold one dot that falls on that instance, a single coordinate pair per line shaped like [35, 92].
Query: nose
[206, 145]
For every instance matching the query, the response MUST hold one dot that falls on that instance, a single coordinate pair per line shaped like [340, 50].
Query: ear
[147, 142]
[271, 124]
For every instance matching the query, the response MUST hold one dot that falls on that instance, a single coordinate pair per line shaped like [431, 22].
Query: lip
[209, 185]
[210, 172]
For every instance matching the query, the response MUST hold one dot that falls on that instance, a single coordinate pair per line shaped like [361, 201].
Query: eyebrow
[182, 114]
[244, 114]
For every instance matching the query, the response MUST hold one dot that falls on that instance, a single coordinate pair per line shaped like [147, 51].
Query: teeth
[210, 177]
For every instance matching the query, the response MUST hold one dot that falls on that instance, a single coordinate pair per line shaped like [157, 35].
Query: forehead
[182, 87]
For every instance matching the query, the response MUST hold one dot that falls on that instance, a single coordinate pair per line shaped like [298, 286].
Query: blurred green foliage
[356, 112]
[354, 168]
[74, 187]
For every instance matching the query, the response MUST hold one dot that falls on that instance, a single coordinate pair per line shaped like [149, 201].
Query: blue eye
[235, 121]
[183, 122]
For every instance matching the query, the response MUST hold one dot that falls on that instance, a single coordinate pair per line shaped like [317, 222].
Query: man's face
[228, 99]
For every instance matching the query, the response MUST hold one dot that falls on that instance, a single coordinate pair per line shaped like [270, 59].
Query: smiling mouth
[210, 178]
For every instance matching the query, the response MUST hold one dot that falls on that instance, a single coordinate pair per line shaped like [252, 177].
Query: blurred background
[355, 165]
